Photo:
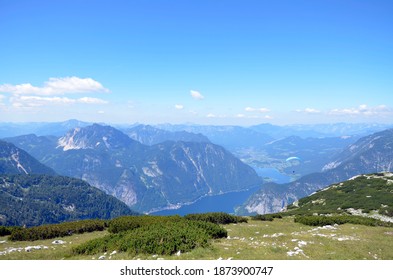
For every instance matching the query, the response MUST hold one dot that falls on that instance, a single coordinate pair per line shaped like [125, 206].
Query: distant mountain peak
[67, 142]
[95, 136]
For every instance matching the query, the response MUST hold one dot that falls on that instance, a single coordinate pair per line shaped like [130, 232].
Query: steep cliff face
[370, 154]
[147, 178]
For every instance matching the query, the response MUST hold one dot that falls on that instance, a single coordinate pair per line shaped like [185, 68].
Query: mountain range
[370, 154]
[230, 137]
[268, 146]
[255, 145]
[39, 128]
[146, 177]
[151, 168]
[150, 135]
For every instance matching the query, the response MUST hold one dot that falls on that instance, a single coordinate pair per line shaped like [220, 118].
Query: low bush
[267, 217]
[216, 218]
[157, 238]
[339, 219]
[215, 231]
[57, 230]
[125, 223]
[4, 230]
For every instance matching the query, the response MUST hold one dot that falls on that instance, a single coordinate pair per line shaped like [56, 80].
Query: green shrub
[157, 238]
[216, 218]
[125, 223]
[4, 230]
[213, 230]
[167, 239]
[93, 246]
[339, 219]
[267, 217]
[56, 230]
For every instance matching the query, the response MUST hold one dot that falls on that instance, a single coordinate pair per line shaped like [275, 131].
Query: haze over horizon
[204, 62]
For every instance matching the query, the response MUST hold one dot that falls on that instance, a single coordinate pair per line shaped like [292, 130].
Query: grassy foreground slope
[370, 194]
[281, 239]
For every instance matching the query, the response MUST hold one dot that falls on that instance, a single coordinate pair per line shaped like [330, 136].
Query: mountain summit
[96, 137]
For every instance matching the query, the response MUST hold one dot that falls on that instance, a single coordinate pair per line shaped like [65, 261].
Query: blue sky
[208, 62]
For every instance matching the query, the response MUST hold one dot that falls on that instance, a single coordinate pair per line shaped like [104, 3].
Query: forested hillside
[42, 199]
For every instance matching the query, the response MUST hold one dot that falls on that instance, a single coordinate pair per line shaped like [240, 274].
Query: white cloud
[363, 110]
[75, 84]
[179, 107]
[19, 89]
[37, 101]
[243, 116]
[216, 116]
[91, 100]
[259, 110]
[196, 95]
[308, 111]
[56, 86]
